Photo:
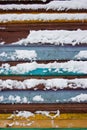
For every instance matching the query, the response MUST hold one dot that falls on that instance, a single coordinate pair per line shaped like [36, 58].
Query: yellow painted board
[42, 121]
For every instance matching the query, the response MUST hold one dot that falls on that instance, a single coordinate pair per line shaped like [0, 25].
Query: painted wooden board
[43, 128]
[43, 52]
[60, 96]
[38, 124]
[33, 107]
[42, 72]
[41, 120]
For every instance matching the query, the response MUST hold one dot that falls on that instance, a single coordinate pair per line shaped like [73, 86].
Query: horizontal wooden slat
[45, 53]
[3, 77]
[62, 121]
[63, 108]
[13, 32]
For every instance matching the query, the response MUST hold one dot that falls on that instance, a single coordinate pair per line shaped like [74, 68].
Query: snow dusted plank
[53, 5]
[70, 68]
[56, 37]
[40, 52]
[22, 30]
[64, 96]
[43, 84]
[43, 17]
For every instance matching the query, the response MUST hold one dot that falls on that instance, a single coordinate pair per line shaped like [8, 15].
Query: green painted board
[43, 128]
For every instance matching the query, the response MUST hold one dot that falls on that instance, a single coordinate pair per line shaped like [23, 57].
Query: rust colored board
[13, 32]
[63, 108]
[42, 10]
[21, 78]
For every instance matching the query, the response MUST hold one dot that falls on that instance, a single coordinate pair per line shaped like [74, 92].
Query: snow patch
[17, 99]
[21, 55]
[1, 98]
[25, 54]
[25, 114]
[79, 98]
[47, 113]
[2, 43]
[81, 54]
[56, 37]
[48, 84]
[38, 98]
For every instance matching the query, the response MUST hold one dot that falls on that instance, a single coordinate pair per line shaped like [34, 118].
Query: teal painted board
[41, 72]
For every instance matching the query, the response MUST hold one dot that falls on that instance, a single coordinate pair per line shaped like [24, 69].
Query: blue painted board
[44, 52]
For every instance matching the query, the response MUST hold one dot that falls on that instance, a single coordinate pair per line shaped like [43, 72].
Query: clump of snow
[25, 54]
[81, 54]
[17, 99]
[56, 37]
[38, 98]
[57, 83]
[42, 17]
[11, 124]
[2, 43]
[53, 5]
[3, 54]
[1, 98]
[25, 100]
[25, 114]
[79, 98]
[31, 83]
[47, 113]
[44, 0]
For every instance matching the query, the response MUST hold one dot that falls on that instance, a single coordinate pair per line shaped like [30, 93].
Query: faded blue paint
[49, 96]
[44, 52]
